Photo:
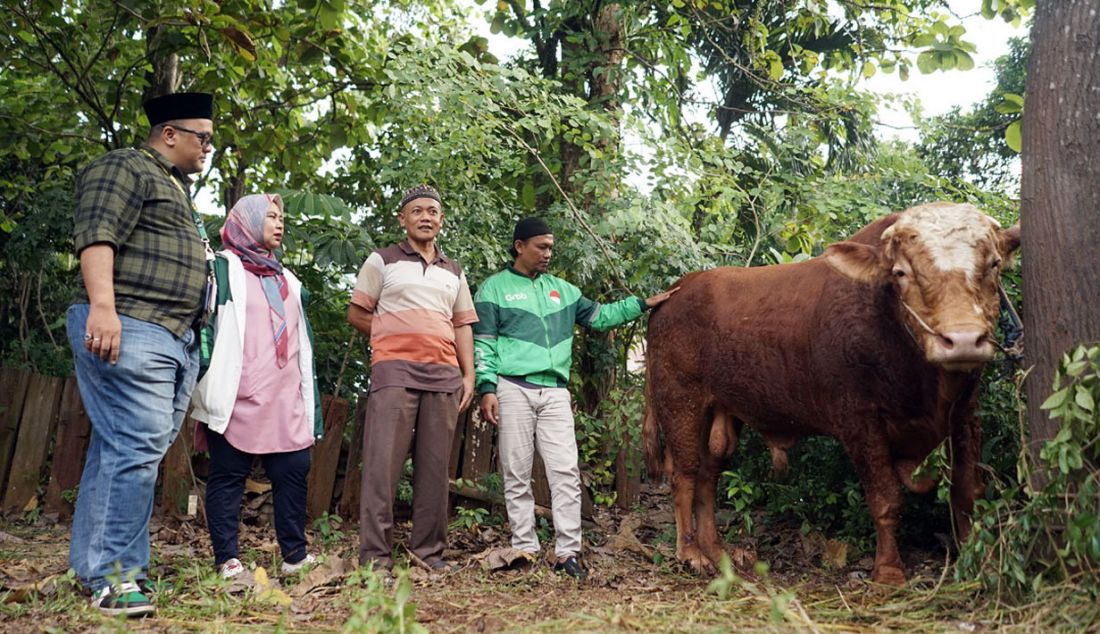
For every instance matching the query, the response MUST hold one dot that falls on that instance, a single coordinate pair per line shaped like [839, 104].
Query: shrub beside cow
[878, 343]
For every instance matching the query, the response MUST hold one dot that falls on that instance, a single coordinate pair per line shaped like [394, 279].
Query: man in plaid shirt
[132, 330]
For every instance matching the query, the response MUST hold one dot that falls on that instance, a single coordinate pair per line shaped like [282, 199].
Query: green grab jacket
[525, 327]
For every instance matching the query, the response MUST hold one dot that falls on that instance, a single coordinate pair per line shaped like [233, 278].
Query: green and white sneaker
[124, 598]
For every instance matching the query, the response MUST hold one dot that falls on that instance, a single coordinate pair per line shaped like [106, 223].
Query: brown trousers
[393, 415]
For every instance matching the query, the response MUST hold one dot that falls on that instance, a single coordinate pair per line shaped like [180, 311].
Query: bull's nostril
[947, 342]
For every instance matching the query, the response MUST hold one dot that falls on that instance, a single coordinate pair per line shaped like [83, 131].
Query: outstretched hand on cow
[660, 298]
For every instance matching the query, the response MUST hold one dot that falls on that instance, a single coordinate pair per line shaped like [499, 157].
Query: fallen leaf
[252, 486]
[268, 589]
[19, 594]
[503, 558]
[331, 569]
[835, 554]
[626, 541]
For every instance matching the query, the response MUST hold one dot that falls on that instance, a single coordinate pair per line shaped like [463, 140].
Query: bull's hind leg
[721, 445]
[705, 488]
[687, 545]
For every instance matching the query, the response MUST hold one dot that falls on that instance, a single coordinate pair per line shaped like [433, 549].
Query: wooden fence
[44, 433]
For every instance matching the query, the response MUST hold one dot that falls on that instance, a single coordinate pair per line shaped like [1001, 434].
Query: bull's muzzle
[962, 349]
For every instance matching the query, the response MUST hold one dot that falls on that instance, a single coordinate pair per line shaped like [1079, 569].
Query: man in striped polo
[414, 304]
[524, 347]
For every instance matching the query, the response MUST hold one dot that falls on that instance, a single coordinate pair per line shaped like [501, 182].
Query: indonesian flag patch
[555, 297]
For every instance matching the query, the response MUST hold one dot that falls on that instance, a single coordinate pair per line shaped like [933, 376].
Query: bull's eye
[996, 264]
[898, 273]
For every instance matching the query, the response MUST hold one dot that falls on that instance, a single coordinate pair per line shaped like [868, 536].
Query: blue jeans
[136, 408]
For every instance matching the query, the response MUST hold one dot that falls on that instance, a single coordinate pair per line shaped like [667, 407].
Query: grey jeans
[539, 417]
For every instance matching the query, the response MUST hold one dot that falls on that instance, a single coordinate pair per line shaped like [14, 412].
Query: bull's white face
[945, 260]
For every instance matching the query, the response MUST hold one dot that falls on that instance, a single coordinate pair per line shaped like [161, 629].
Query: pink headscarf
[243, 234]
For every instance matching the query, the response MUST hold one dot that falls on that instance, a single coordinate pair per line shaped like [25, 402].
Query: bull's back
[761, 342]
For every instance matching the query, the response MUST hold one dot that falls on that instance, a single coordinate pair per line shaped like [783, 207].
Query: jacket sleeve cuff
[642, 304]
[486, 388]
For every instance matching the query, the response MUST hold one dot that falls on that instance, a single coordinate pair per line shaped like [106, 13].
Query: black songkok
[180, 105]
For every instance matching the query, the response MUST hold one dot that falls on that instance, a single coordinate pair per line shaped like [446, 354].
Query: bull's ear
[860, 262]
[1010, 240]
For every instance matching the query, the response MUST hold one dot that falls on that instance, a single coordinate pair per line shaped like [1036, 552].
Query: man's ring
[87, 336]
[95, 338]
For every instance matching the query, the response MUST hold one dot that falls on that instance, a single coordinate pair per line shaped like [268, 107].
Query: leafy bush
[600, 437]
[1046, 529]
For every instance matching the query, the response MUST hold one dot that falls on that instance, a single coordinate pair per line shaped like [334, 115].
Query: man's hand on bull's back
[658, 299]
[490, 408]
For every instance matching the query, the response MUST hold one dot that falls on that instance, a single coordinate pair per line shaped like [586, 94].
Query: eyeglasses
[205, 138]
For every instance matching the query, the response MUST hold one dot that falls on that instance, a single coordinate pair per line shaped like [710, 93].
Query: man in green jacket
[523, 346]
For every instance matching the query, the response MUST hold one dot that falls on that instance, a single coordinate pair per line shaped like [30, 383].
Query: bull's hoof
[889, 576]
[696, 560]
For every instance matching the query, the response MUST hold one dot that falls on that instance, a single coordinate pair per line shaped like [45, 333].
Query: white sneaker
[289, 569]
[232, 568]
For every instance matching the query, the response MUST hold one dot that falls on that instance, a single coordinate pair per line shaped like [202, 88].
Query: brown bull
[878, 343]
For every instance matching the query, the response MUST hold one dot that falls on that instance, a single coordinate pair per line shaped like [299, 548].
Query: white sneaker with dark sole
[124, 598]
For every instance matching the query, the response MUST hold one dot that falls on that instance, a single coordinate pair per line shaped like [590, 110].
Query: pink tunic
[269, 415]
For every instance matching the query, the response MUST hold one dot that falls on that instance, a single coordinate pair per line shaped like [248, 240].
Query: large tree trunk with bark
[1060, 215]
[163, 77]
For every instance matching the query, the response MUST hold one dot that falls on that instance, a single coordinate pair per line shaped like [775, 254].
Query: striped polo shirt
[416, 306]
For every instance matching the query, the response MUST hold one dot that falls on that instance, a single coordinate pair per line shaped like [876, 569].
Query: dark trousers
[393, 413]
[229, 467]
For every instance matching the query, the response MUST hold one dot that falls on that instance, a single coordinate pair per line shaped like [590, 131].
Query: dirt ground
[634, 585]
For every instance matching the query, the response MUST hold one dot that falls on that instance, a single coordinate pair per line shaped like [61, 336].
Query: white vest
[216, 393]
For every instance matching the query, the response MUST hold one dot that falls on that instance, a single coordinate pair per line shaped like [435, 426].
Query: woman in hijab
[258, 395]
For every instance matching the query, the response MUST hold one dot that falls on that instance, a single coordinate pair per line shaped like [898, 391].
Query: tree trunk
[163, 78]
[1060, 192]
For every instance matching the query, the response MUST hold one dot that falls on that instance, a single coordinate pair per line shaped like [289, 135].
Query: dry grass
[626, 592]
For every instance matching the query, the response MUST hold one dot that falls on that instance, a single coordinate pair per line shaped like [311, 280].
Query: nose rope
[1014, 331]
[920, 321]
[1013, 346]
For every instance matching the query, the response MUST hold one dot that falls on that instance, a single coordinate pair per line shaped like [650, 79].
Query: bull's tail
[651, 435]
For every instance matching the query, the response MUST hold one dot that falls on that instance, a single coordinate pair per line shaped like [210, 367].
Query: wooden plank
[13, 393]
[540, 485]
[628, 475]
[175, 472]
[477, 451]
[456, 443]
[348, 507]
[74, 430]
[325, 456]
[32, 443]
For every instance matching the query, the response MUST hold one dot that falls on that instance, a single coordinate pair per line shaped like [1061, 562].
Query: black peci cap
[180, 105]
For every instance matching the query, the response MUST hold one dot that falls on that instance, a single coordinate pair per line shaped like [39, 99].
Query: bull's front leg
[883, 492]
[966, 481]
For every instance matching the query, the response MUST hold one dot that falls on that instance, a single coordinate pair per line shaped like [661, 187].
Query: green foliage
[468, 519]
[374, 610]
[37, 271]
[742, 496]
[1046, 529]
[981, 145]
[600, 437]
[404, 485]
[328, 527]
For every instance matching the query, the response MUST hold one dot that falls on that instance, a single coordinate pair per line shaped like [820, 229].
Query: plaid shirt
[125, 199]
